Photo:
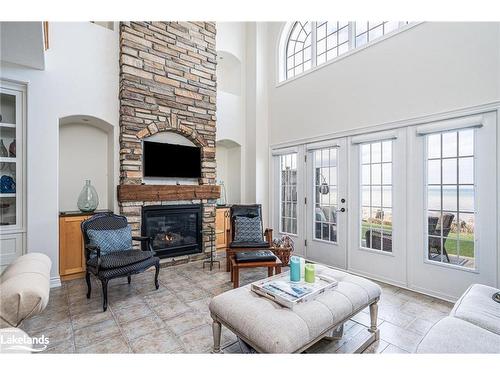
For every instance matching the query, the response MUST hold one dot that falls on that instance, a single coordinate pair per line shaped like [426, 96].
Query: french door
[326, 202]
[377, 214]
[310, 200]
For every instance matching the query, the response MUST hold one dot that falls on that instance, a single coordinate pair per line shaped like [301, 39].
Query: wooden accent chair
[249, 211]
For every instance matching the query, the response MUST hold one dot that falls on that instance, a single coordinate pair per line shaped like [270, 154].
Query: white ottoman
[24, 289]
[271, 328]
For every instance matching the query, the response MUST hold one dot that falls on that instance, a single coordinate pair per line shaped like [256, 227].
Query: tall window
[305, 45]
[288, 196]
[326, 194]
[450, 197]
[298, 50]
[376, 195]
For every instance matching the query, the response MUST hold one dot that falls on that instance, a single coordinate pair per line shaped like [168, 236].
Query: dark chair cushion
[254, 256]
[247, 210]
[249, 245]
[120, 259]
[130, 269]
[248, 229]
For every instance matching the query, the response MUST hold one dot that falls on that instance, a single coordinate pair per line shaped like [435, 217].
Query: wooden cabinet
[71, 254]
[222, 223]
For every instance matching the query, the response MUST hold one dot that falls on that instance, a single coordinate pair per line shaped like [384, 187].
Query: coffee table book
[281, 290]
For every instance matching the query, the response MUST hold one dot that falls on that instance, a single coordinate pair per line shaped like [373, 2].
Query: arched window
[304, 45]
[298, 49]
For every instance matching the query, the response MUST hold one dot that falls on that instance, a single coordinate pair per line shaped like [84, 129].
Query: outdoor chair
[382, 240]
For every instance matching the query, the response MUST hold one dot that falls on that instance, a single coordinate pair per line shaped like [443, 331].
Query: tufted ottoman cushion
[24, 289]
[272, 328]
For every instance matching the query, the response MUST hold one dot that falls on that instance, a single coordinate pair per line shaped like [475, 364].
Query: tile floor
[175, 318]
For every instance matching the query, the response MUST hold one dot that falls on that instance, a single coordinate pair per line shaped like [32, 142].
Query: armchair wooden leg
[129, 278]
[228, 261]
[89, 285]
[157, 266]
[104, 283]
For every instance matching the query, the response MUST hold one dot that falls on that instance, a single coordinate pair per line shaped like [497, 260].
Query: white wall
[231, 98]
[80, 77]
[83, 155]
[244, 118]
[431, 68]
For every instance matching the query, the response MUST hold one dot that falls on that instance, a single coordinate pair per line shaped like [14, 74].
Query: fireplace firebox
[173, 229]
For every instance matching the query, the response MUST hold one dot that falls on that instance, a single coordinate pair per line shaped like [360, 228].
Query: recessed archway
[228, 157]
[86, 151]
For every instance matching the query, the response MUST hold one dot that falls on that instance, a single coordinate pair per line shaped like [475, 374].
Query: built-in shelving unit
[12, 172]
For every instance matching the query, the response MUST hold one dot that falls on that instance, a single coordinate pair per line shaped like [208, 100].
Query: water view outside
[376, 195]
[450, 197]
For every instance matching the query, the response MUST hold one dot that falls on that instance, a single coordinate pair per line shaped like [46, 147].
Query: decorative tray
[288, 293]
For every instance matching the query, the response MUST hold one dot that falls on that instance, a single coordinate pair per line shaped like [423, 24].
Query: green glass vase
[88, 199]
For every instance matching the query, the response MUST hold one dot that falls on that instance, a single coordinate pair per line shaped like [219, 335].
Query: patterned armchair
[109, 253]
[246, 232]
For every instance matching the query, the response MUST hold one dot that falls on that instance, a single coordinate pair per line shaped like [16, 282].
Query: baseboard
[55, 282]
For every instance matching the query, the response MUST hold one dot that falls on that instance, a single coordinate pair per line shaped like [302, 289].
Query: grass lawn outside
[451, 245]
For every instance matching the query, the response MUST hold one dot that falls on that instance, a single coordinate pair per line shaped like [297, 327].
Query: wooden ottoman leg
[228, 261]
[373, 319]
[269, 271]
[216, 330]
[235, 276]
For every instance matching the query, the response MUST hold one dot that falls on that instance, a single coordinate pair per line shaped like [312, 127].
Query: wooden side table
[235, 268]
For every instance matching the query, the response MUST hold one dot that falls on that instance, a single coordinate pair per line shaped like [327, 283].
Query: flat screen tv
[168, 160]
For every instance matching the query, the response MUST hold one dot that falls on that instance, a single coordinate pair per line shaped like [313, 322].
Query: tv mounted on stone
[170, 160]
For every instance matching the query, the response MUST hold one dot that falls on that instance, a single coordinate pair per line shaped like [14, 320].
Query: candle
[310, 276]
[302, 267]
[294, 268]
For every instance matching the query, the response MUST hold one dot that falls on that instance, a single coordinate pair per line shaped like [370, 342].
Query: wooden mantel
[150, 193]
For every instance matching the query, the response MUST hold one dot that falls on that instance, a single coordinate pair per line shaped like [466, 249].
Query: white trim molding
[55, 282]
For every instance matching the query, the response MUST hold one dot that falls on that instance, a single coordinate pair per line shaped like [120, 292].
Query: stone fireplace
[168, 84]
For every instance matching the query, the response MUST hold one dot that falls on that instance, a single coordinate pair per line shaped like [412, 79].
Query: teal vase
[88, 199]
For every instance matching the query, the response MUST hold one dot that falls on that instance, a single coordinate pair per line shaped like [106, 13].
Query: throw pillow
[248, 229]
[111, 240]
